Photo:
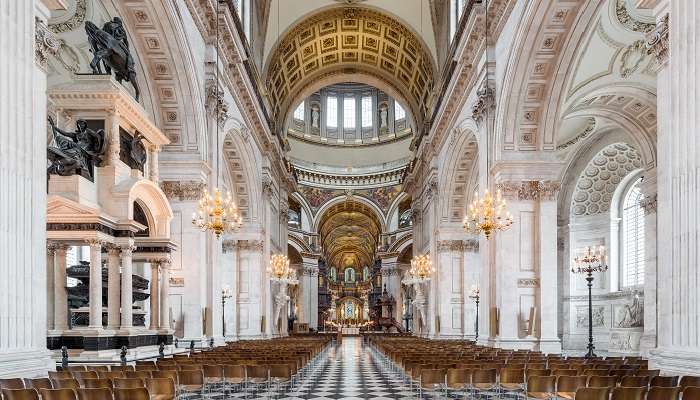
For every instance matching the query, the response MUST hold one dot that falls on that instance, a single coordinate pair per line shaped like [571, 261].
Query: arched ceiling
[349, 233]
[346, 41]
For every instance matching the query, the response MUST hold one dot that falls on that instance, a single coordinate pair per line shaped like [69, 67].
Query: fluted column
[50, 266]
[164, 294]
[95, 284]
[60, 295]
[113, 283]
[153, 299]
[153, 173]
[126, 286]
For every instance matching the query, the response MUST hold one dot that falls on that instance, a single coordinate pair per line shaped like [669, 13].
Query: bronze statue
[110, 48]
[76, 152]
[138, 151]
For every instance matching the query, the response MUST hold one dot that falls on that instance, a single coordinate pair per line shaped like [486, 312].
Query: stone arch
[241, 166]
[350, 39]
[458, 175]
[150, 197]
[359, 199]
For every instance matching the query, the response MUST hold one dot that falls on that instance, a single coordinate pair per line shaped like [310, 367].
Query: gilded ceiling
[349, 233]
[350, 40]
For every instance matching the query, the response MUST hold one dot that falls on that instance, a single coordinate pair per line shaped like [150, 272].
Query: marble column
[449, 271]
[113, 287]
[95, 284]
[309, 280]
[153, 298]
[25, 43]
[153, 173]
[548, 269]
[50, 282]
[126, 286]
[675, 46]
[60, 294]
[165, 295]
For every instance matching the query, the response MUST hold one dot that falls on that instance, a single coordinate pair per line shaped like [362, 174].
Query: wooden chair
[663, 393]
[122, 368]
[143, 375]
[128, 383]
[431, 381]
[257, 376]
[484, 380]
[664, 381]
[80, 375]
[602, 381]
[96, 383]
[65, 384]
[98, 367]
[161, 388]
[131, 394]
[512, 380]
[20, 394]
[691, 393]
[110, 374]
[38, 383]
[629, 393]
[172, 374]
[541, 387]
[567, 385]
[280, 376]
[634, 381]
[593, 393]
[53, 375]
[458, 380]
[12, 383]
[648, 372]
[191, 380]
[58, 394]
[213, 374]
[689, 381]
[95, 394]
[564, 372]
[234, 376]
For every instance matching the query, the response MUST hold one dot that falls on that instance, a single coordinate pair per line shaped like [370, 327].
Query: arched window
[349, 112]
[366, 112]
[399, 112]
[632, 271]
[299, 112]
[456, 10]
[332, 112]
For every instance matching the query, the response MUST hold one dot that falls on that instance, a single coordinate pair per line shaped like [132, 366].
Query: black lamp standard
[225, 294]
[474, 295]
[592, 260]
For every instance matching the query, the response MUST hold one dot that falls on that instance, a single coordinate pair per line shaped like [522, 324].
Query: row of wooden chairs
[154, 389]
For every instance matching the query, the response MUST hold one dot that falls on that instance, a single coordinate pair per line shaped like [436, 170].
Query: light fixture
[421, 266]
[280, 265]
[474, 294]
[487, 215]
[215, 213]
[590, 260]
[226, 293]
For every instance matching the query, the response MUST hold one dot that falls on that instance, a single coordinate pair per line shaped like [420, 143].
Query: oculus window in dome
[349, 114]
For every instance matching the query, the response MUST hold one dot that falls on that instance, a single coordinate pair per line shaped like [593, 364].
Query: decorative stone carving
[598, 316]
[177, 281]
[432, 189]
[251, 245]
[529, 190]
[390, 271]
[648, 204]
[75, 21]
[309, 271]
[45, 43]
[486, 101]
[632, 58]
[528, 283]
[628, 21]
[630, 315]
[444, 246]
[657, 42]
[471, 245]
[590, 127]
[216, 104]
[183, 190]
[596, 184]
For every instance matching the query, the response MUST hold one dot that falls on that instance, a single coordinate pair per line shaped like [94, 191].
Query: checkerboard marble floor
[346, 371]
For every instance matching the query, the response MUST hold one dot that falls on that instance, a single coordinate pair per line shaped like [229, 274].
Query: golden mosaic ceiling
[349, 231]
[348, 40]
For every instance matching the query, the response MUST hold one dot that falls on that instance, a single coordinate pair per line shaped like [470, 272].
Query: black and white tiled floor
[347, 371]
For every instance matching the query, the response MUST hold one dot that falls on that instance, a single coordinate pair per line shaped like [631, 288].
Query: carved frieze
[628, 21]
[45, 43]
[444, 246]
[657, 42]
[183, 190]
[177, 281]
[529, 190]
[251, 245]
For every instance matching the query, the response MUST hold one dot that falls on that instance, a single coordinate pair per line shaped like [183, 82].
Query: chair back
[691, 393]
[190, 377]
[689, 381]
[80, 375]
[571, 383]
[257, 371]
[20, 394]
[110, 374]
[161, 388]
[99, 383]
[541, 384]
[634, 381]
[484, 376]
[38, 383]
[98, 368]
[60, 375]
[280, 371]
[58, 394]
[663, 393]
[138, 375]
[458, 377]
[95, 394]
[629, 393]
[131, 394]
[593, 393]
[602, 381]
[432, 377]
[73, 368]
[648, 372]
[562, 372]
[11, 383]
[172, 374]
[234, 371]
[122, 368]
[512, 375]
[127, 383]
[538, 372]
[664, 381]
[65, 384]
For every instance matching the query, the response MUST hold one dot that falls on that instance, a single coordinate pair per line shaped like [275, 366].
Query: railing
[124, 360]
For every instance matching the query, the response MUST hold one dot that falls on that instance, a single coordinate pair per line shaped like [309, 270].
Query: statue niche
[110, 48]
[78, 152]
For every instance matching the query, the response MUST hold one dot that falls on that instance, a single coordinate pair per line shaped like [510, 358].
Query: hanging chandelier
[589, 260]
[487, 215]
[217, 214]
[421, 266]
[280, 265]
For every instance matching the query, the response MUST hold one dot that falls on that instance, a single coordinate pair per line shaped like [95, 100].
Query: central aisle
[351, 371]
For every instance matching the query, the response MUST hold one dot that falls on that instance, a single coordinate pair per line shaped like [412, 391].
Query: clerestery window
[632, 238]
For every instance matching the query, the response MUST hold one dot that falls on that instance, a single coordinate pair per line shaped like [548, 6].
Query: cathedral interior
[384, 199]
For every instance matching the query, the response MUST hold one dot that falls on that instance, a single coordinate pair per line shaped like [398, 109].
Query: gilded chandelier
[591, 259]
[280, 265]
[421, 266]
[217, 214]
[487, 215]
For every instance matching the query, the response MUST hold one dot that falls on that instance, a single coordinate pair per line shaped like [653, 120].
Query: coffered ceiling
[349, 234]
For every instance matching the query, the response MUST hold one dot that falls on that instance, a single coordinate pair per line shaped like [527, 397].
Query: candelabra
[226, 293]
[589, 261]
[474, 295]
[487, 215]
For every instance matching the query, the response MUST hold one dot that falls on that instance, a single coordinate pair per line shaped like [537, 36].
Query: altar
[350, 331]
